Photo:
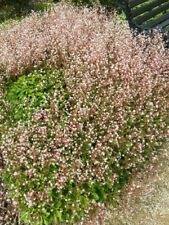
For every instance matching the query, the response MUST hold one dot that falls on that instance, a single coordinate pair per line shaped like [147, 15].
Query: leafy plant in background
[108, 4]
[11, 9]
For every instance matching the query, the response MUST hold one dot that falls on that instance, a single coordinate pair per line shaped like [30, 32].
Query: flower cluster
[104, 122]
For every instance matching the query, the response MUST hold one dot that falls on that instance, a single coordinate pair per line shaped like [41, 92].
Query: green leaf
[59, 216]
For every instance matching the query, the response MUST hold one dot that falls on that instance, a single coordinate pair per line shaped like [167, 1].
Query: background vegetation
[12, 9]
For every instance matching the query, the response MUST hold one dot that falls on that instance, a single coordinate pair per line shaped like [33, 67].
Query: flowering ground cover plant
[92, 108]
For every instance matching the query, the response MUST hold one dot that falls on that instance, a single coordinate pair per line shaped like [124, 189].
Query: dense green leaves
[33, 91]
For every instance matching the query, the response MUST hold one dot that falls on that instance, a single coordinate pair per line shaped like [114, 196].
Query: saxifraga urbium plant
[103, 117]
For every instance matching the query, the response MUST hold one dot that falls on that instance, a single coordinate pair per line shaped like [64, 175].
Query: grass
[9, 12]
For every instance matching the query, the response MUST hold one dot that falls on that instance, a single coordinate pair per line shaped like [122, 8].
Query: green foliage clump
[11, 9]
[30, 92]
[16, 9]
